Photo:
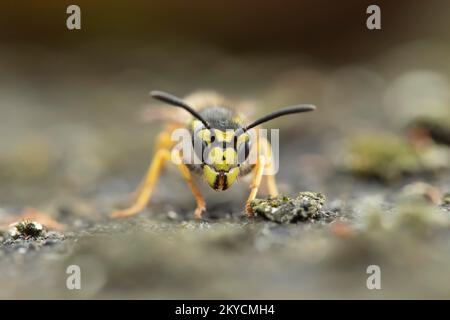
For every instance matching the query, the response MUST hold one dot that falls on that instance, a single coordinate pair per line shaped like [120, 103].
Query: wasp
[221, 142]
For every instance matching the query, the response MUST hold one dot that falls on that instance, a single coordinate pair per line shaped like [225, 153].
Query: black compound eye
[243, 151]
[201, 139]
[199, 147]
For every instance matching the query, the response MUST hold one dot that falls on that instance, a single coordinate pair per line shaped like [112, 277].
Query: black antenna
[175, 101]
[282, 112]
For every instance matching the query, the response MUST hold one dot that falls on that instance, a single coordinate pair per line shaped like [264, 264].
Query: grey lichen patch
[26, 229]
[446, 199]
[389, 158]
[307, 206]
[28, 235]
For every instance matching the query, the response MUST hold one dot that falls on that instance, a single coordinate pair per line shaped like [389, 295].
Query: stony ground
[373, 182]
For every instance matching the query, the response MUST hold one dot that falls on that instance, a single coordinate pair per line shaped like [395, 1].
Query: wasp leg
[264, 161]
[197, 195]
[256, 182]
[146, 190]
[150, 180]
[270, 178]
[163, 141]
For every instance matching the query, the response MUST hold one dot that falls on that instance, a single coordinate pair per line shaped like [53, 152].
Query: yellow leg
[163, 141]
[150, 180]
[266, 150]
[146, 190]
[264, 161]
[256, 181]
[197, 195]
[272, 185]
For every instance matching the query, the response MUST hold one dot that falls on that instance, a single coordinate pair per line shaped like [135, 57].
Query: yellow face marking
[195, 124]
[242, 138]
[204, 135]
[231, 176]
[220, 180]
[222, 136]
[210, 175]
[222, 159]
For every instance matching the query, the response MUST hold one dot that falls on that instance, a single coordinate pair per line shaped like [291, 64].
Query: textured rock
[307, 205]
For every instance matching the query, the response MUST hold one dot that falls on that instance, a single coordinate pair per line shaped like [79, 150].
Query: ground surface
[76, 145]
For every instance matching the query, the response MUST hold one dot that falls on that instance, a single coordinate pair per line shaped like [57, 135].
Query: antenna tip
[310, 107]
[154, 93]
[302, 108]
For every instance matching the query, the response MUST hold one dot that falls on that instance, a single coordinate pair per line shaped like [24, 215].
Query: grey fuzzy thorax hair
[220, 118]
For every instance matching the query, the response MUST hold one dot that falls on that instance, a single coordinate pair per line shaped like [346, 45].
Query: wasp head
[222, 152]
[220, 139]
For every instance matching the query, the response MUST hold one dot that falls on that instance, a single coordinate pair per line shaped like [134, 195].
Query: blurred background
[71, 100]
[74, 105]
